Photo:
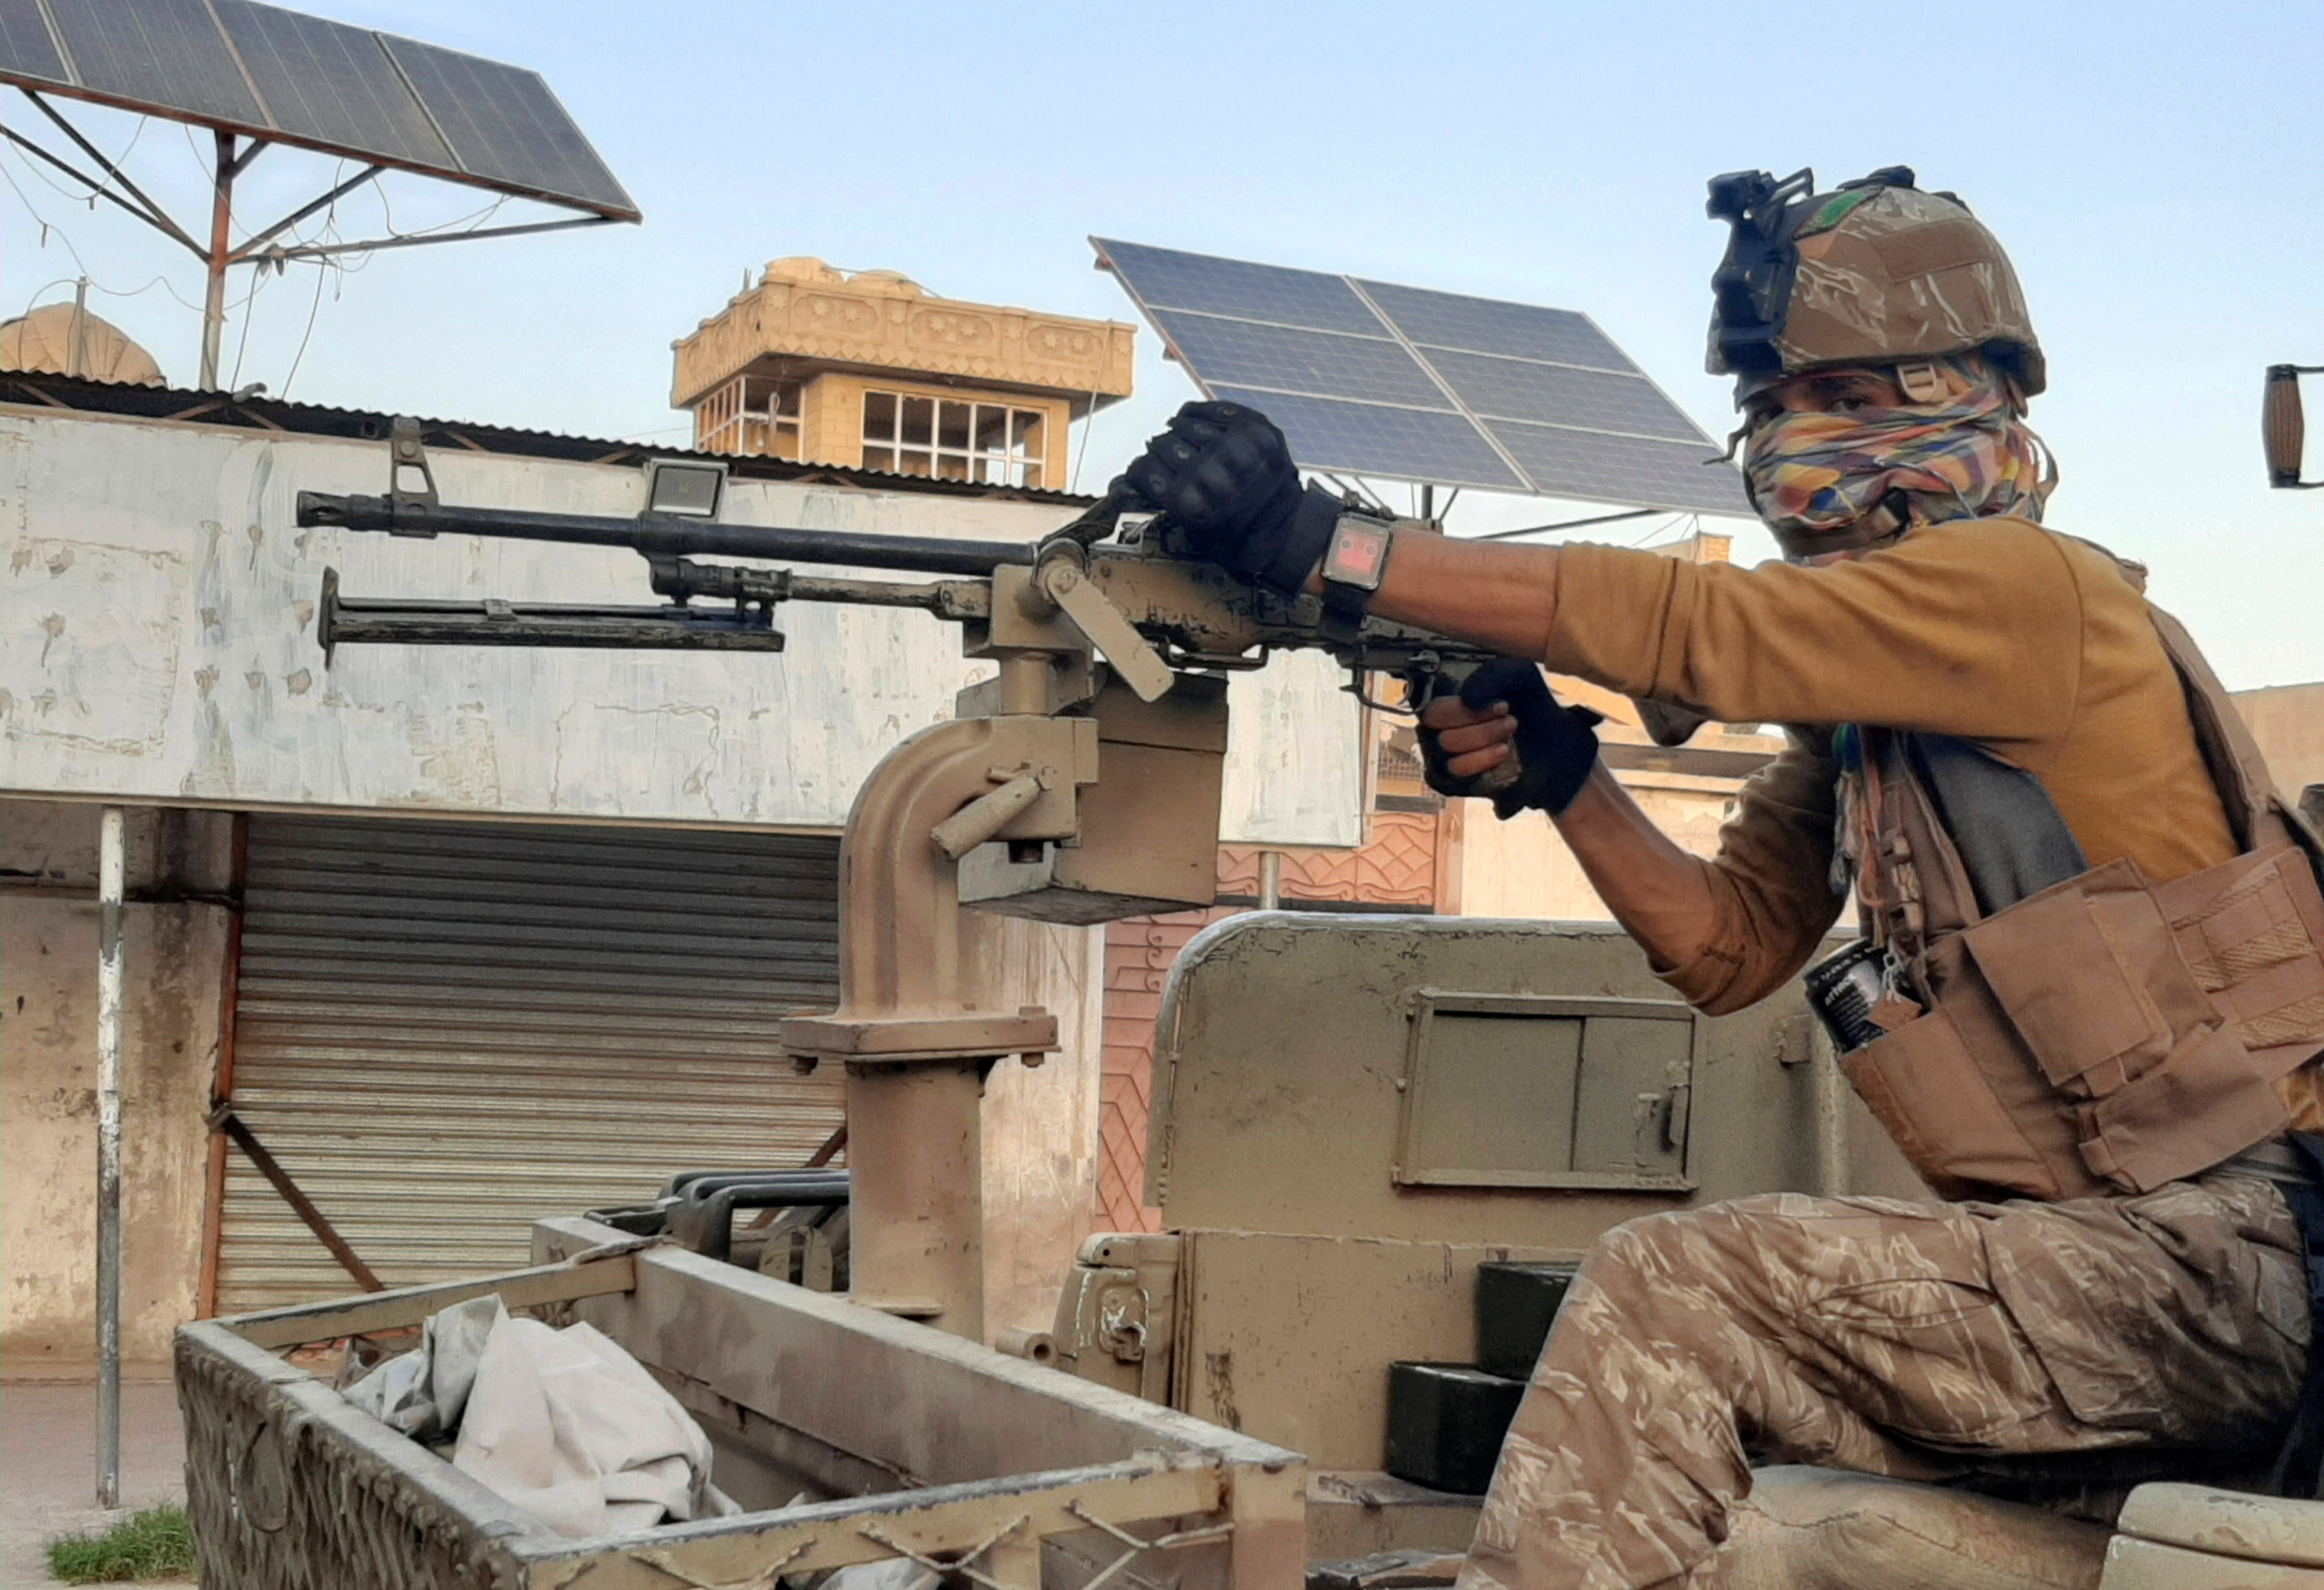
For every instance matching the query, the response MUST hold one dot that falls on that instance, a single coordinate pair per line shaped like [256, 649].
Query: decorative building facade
[871, 370]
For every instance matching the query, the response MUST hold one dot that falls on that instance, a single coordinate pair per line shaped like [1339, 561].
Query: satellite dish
[66, 339]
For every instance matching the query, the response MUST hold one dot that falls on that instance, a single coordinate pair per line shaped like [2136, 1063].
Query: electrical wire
[321, 275]
[250, 318]
[65, 238]
[1081, 456]
[89, 198]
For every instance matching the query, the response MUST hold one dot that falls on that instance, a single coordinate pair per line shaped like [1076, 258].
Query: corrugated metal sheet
[445, 1029]
[181, 405]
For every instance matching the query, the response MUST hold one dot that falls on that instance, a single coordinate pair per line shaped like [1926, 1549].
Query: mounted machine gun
[1079, 785]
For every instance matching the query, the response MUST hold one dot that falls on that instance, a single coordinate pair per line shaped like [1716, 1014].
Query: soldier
[2090, 987]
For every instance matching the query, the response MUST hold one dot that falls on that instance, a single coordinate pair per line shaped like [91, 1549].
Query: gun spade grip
[1447, 680]
[2282, 425]
[1493, 780]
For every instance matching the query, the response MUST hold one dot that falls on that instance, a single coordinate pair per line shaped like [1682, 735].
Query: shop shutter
[445, 1030]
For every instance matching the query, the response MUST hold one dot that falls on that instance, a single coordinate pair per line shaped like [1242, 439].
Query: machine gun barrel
[665, 535]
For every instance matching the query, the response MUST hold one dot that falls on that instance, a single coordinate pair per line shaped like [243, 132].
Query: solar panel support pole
[220, 255]
[110, 869]
[321, 251]
[151, 214]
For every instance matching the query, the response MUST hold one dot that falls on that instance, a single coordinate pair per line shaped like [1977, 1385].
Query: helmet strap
[1921, 382]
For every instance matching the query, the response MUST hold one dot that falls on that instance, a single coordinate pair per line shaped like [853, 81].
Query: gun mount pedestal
[916, 1046]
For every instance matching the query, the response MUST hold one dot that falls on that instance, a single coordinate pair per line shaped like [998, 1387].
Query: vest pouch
[1928, 1091]
[2089, 974]
[2086, 982]
[2206, 1102]
[2251, 933]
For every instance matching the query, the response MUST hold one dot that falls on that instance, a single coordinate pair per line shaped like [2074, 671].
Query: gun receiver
[1152, 612]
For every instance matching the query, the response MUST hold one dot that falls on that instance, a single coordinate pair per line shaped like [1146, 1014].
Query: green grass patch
[156, 1543]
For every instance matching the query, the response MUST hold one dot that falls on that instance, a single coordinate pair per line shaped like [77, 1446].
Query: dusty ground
[48, 1466]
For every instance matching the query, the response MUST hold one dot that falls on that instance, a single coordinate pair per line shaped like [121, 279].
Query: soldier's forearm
[1501, 597]
[1656, 890]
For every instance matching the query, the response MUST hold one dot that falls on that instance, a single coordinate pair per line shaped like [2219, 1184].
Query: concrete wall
[175, 952]
[157, 644]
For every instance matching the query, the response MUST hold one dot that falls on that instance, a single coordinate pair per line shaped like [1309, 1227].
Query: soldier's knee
[1700, 1263]
[1649, 1243]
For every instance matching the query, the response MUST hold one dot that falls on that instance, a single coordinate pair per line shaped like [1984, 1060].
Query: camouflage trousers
[1921, 1340]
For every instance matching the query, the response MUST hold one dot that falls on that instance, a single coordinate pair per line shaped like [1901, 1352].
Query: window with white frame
[948, 440]
[751, 414]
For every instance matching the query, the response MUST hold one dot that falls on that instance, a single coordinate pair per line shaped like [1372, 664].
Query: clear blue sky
[2157, 171]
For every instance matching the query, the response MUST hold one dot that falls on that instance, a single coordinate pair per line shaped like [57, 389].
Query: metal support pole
[76, 361]
[221, 250]
[1270, 879]
[109, 871]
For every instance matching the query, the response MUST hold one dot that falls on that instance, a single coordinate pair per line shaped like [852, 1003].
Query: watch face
[1359, 554]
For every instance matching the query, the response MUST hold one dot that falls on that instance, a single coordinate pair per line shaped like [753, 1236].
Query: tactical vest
[2104, 1035]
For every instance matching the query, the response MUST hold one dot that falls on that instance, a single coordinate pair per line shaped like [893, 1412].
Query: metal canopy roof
[1411, 385]
[289, 78]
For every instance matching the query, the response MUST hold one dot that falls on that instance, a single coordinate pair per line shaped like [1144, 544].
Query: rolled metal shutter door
[445, 1030]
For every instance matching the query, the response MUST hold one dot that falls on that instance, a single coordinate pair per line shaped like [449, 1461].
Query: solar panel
[1380, 379]
[330, 83]
[27, 49]
[1488, 325]
[165, 53]
[1559, 395]
[247, 67]
[1166, 279]
[1368, 439]
[1563, 462]
[1283, 358]
[506, 126]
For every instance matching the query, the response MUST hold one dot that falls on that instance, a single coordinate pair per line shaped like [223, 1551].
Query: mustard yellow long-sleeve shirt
[2029, 644]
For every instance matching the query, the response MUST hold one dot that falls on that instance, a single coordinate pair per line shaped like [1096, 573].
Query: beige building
[2288, 722]
[873, 372]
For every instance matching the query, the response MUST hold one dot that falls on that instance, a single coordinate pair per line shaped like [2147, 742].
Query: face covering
[1823, 482]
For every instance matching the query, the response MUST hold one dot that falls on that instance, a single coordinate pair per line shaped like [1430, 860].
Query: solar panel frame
[365, 103]
[105, 51]
[28, 49]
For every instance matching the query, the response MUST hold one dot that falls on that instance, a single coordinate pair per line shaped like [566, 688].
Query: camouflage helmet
[1874, 272]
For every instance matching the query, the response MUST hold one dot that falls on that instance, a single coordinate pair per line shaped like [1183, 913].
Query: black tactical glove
[1555, 749]
[1222, 475]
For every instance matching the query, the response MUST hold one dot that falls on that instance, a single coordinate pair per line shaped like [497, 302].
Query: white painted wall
[156, 643]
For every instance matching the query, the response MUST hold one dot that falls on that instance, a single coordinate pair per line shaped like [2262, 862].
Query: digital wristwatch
[1354, 566]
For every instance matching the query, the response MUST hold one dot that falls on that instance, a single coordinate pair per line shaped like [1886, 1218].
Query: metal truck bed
[908, 1444]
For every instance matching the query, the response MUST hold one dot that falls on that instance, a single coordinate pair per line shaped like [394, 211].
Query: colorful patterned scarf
[1819, 481]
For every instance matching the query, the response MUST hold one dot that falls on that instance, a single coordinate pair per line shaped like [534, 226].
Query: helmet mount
[1752, 287]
